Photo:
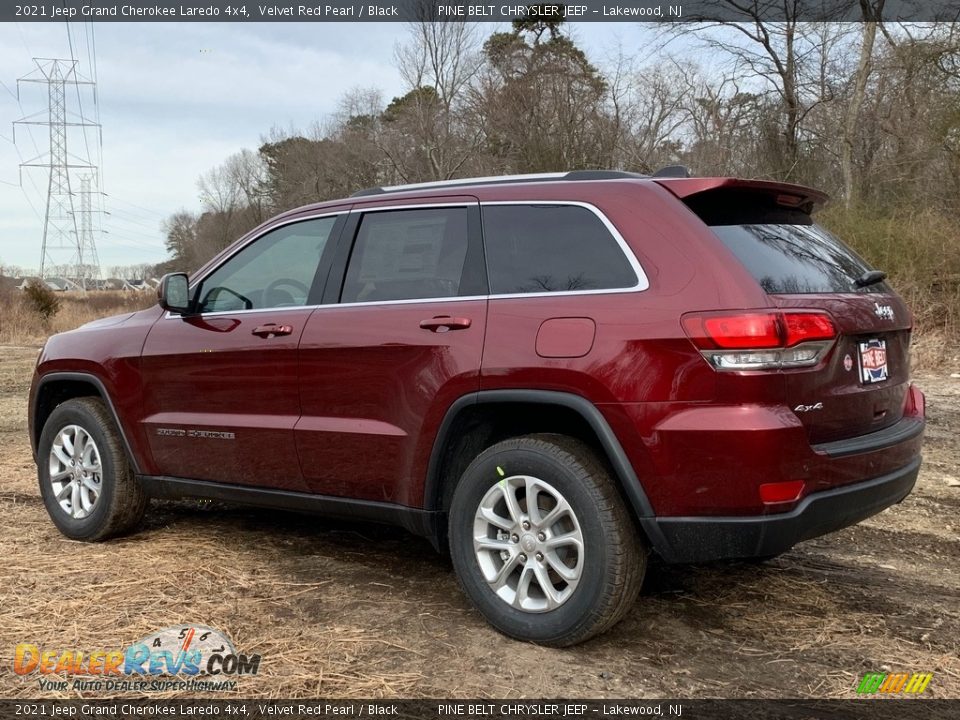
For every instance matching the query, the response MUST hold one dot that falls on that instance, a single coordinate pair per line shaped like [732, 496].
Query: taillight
[803, 327]
[761, 340]
[750, 330]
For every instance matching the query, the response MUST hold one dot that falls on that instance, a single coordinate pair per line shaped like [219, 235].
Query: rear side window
[794, 259]
[406, 255]
[551, 248]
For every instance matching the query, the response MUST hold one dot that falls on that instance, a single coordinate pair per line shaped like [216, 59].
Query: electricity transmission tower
[68, 248]
[90, 262]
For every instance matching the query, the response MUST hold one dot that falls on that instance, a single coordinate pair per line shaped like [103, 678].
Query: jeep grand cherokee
[552, 376]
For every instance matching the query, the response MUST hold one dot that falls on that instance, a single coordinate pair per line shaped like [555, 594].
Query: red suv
[549, 375]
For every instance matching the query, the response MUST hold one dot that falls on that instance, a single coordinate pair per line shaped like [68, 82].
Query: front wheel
[542, 543]
[85, 480]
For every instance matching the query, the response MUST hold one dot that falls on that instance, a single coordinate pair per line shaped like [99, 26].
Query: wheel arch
[54, 389]
[462, 436]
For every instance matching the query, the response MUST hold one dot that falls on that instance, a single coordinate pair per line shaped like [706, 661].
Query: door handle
[272, 330]
[443, 323]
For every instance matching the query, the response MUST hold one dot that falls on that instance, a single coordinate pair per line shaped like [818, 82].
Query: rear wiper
[870, 277]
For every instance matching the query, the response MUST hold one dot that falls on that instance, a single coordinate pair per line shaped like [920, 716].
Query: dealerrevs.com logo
[894, 683]
[184, 657]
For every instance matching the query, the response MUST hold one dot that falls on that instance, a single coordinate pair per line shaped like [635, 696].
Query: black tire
[614, 557]
[121, 503]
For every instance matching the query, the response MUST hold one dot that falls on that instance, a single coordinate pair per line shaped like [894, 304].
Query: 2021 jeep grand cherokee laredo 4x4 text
[550, 375]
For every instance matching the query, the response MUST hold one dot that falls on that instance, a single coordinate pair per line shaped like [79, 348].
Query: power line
[5, 87]
[143, 222]
[139, 207]
[32, 181]
[73, 58]
[33, 141]
[36, 148]
[91, 39]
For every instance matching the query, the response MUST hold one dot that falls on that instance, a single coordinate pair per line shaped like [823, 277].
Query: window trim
[349, 240]
[200, 279]
[642, 284]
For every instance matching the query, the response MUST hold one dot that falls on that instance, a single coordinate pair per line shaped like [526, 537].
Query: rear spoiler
[786, 194]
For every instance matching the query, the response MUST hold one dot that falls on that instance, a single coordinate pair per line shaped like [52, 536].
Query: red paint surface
[350, 402]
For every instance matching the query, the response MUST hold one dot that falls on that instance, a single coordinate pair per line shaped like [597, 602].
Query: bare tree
[438, 64]
[872, 12]
[247, 172]
[788, 57]
[647, 110]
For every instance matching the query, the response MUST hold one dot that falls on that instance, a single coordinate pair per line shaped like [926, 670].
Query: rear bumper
[703, 539]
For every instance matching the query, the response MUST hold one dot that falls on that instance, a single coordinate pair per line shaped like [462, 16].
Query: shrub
[41, 299]
[917, 249]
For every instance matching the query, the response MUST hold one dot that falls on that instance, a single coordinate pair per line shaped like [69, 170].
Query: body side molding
[418, 521]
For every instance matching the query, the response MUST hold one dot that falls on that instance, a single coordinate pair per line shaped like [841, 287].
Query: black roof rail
[574, 175]
[673, 171]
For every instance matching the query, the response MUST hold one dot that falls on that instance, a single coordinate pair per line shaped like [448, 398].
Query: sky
[176, 99]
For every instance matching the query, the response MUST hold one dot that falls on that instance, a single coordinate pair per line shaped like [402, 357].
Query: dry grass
[918, 249]
[21, 325]
[934, 352]
[78, 596]
[343, 610]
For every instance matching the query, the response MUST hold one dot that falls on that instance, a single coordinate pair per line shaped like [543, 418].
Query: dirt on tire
[343, 610]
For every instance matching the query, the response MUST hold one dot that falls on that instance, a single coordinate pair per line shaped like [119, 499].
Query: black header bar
[485, 709]
[411, 10]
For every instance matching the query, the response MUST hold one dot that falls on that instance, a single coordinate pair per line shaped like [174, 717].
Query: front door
[400, 340]
[220, 385]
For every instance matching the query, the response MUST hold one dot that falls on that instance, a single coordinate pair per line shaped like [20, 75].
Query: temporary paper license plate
[873, 361]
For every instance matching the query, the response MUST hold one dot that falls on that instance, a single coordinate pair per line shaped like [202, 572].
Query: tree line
[869, 112]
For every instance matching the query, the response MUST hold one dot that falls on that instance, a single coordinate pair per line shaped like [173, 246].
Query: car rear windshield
[795, 258]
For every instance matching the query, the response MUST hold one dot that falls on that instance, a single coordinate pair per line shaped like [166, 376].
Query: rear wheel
[86, 482]
[542, 543]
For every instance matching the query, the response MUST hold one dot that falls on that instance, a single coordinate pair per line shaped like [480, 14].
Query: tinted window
[274, 271]
[551, 248]
[406, 255]
[796, 258]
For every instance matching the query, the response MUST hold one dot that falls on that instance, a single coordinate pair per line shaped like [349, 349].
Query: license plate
[873, 361]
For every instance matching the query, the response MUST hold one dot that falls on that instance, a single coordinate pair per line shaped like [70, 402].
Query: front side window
[407, 255]
[276, 270]
[551, 248]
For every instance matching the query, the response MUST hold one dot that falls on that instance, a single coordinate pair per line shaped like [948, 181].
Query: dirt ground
[344, 610]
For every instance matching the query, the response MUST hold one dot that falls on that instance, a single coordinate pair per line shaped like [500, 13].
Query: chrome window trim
[195, 281]
[642, 281]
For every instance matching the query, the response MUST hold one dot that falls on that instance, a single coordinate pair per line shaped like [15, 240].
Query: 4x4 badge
[884, 312]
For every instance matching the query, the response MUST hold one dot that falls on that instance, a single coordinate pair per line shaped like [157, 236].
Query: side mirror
[173, 293]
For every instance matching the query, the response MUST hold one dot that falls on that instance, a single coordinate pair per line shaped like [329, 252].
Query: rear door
[862, 384]
[398, 340]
